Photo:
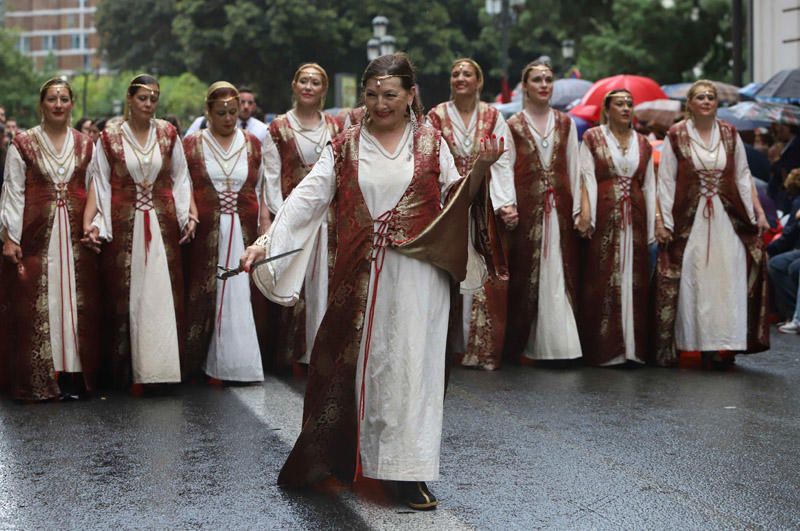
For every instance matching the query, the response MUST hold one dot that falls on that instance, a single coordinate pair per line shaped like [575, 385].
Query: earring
[413, 117]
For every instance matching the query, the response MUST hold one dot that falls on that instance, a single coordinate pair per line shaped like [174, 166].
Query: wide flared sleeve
[501, 185]
[574, 169]
[271, 161]
[649, 190]
[100, 173]
[588, 178]
[12, 200]
[181, 185]
[295, 226]
[667, 174]
[744, 180]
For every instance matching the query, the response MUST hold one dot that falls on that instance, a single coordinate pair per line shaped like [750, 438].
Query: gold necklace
[220, 154]
[146, 158]
[56, 164]
[223, 164]
[703, 164]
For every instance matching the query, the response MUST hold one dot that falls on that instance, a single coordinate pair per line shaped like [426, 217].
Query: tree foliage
[261, 42]
[19, 84]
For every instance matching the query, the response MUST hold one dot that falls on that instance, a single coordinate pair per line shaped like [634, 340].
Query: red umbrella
[642, 88]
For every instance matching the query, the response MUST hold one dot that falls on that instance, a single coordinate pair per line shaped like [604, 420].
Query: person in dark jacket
[784, 264]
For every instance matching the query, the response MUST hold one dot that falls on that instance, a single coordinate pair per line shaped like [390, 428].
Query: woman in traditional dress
[375, 393]
[617, 172]
[48, 314]
[463, 121]
[225, 166]
[711, 277]
[143, 212]
[543, 250]
[293, 146]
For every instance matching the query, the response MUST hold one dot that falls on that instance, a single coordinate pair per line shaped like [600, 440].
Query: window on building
[72, 21]
[76, 41]
[48, 42]
[24, 44]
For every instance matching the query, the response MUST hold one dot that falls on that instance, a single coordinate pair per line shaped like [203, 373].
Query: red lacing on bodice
[228, 204]
[380, 241]
[549, 206]
[144, 203]
[626, 212]
[709, 187]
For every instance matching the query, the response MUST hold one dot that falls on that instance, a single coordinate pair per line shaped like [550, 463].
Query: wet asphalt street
[523, 448]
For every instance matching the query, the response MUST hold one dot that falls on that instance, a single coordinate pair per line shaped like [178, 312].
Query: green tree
[19, 84]
[137, 35]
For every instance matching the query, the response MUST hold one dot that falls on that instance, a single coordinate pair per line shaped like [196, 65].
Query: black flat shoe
[416, 495]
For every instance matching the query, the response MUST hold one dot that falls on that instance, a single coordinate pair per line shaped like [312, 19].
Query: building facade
[776, 37]
[60, 33]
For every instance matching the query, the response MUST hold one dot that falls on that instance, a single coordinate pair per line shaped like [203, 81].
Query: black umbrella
[783, 87]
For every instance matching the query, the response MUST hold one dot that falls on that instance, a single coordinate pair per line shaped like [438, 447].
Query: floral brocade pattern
[25, 323]
[327, 443]
[116, 255]
[602, 282]
[670, 258]
[202, 253]
[484, 346]
[291, 342]
[530, 181]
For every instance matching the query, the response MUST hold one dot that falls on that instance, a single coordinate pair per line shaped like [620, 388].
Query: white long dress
[712, 298]
[316, 282]
[233, 354]
[501, 187]
[61, 290]
[154, 334]
[404, 390]
[624, 166]
[556, 333]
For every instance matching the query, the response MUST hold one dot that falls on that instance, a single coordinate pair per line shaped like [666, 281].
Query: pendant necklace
[143, 156]
[319, 143]
[467, 133]
[57, 164]
[544, 137]
[622, 149]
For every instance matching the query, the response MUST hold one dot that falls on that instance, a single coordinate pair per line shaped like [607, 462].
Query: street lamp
[373, 48]
[379, 26]
[380, 43]
[388, 43]
[568, 49]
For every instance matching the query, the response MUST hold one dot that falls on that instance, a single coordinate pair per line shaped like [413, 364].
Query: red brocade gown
[49, 304]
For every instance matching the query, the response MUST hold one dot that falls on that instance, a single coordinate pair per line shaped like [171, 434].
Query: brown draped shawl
[417, 227]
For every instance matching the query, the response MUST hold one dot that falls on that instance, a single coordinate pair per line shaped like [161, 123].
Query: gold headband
[706, 93]
[58, 83]
[542, 67]
[220, 85]
[310, 72]
[378, 79]
[153, 92]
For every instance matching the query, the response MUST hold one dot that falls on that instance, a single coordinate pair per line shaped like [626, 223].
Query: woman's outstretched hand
[254, 253]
